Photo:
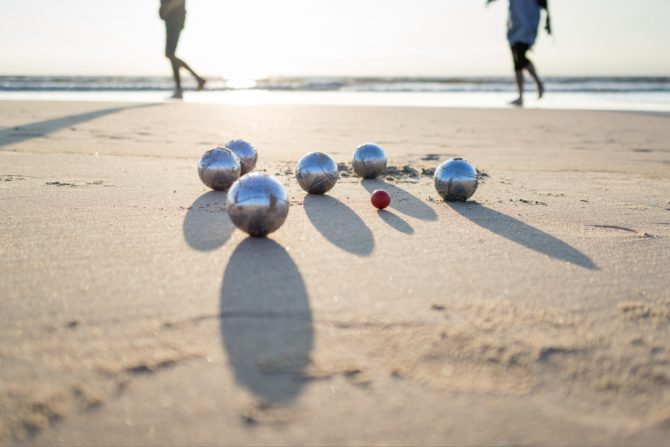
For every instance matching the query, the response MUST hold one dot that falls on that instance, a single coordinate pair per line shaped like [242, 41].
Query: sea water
[586, 93]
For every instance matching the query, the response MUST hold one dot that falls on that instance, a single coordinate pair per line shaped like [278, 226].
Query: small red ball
[380, 199]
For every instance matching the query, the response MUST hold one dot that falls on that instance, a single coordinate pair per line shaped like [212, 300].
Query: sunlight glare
[240, 83]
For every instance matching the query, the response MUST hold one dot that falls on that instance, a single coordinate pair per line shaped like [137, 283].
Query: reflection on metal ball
[219, 168]
[245, 152]
[257, 204]
[369, 160]
[316, 173]
[456, 180]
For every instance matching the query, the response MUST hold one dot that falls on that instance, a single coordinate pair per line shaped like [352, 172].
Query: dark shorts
[519, 53]
[173, 26]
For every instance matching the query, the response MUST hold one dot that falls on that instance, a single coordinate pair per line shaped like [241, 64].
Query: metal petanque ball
[369, 160]
[456, 180]
[245, 152]
[219, 168]
[257, 204]
[316, 173]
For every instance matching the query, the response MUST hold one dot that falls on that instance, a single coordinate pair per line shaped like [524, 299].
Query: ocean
[584, 93]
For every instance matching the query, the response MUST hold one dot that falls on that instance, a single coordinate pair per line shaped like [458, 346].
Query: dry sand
[132, 312]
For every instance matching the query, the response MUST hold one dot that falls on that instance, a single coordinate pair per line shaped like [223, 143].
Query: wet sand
[133, 313]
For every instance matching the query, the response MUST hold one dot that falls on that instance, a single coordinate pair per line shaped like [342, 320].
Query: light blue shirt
[524, 19]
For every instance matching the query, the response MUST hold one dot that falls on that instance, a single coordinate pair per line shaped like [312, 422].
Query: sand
[133, 313]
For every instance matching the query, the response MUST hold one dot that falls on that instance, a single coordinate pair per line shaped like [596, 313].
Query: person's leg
[173, 27]
[519, 53]
[201, 81]
[519, 87]
[176, 65]
[538, 84]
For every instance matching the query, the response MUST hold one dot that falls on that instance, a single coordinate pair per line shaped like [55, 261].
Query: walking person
[173, 12]
[524, 19]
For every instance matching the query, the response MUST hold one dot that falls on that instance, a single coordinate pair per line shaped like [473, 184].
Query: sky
[241, 39]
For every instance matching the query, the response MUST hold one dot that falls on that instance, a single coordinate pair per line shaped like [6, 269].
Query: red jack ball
[380, 199]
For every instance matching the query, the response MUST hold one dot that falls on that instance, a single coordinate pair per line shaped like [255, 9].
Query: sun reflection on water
[240, 83]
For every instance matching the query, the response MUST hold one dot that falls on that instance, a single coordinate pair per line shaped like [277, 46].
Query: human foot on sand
[177, 94]
[201, 84]
[517, 102]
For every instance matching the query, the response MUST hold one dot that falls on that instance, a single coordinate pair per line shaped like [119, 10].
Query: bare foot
[177, 94]
[517, 102]
[201, 85]
[540, 90]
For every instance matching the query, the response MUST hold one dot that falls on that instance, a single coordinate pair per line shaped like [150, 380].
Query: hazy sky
[258, 38]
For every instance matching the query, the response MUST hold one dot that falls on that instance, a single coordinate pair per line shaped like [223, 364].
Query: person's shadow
[401, 200]
[266, 321]
[24, 132]
[207, 225]
[521, 233]
[339, 224]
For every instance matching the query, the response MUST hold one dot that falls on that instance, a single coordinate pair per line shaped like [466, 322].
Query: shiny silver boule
[316, 173]
[219, 168]
[369, 160]
[245, 152]
[257, 204]
[456, 180]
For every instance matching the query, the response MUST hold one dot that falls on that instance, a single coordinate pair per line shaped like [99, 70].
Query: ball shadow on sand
[207, 225]
[401, 200]
[395, 221]
[266, 321]
[339, 224]
[521, 233]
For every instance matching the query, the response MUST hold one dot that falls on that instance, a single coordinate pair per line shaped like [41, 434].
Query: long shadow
[207, 225]
[266, 321]
[339, 224]
[401, 200]
[17, 134]
[521, 233]
[395, 221]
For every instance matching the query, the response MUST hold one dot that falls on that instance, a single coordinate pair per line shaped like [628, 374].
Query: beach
[132, 312]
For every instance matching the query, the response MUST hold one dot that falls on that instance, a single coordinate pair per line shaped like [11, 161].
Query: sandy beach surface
[133, 313]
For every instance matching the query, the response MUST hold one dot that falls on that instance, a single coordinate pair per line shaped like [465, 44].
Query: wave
[348, 84]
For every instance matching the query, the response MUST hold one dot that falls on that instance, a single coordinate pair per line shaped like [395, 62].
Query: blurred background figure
[173, 12]
[524, 19]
